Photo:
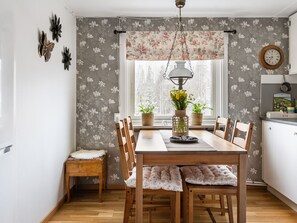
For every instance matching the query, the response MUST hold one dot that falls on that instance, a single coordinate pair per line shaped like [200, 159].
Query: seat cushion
[209, 175]
[88, 154]
[158, 177]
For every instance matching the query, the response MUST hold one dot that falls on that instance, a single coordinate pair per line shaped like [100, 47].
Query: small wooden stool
[86, 168]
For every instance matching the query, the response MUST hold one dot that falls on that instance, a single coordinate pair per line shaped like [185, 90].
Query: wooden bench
[86, 168]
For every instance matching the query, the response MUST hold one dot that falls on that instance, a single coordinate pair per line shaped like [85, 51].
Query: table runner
[200, 146]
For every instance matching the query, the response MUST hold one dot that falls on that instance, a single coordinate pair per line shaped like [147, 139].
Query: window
[147, 83]
[143, 79]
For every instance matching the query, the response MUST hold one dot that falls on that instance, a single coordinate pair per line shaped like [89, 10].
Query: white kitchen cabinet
[280, 157]
[293, 44]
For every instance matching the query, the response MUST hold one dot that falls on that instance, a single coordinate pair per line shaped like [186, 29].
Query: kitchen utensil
[286, 86]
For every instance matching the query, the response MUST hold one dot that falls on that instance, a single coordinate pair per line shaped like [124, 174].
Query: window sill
[208, 127]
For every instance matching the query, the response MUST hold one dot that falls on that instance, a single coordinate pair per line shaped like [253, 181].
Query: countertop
[288, 121]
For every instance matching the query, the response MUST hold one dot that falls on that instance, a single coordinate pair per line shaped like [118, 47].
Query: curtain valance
[202, 45]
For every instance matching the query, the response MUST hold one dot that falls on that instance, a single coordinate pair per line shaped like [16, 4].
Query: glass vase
[180, 123]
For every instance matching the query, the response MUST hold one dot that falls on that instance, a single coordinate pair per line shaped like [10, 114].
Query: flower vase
[180, 123]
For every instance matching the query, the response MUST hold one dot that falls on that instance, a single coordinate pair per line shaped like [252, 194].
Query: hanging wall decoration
[45, 46]
[66, 58]
[56, 28]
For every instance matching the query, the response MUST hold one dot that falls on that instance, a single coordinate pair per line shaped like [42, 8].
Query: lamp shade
[180, 74]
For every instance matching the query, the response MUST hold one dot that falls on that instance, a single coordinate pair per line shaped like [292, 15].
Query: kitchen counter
[289, 121]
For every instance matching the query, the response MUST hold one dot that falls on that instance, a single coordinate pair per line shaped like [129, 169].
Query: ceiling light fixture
[179, 75]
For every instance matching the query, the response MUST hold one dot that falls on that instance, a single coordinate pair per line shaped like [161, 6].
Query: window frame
[127, 87]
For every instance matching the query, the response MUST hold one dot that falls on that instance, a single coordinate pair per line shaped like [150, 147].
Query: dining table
[153, 148]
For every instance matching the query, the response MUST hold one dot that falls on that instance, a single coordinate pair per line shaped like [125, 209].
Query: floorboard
[262, 206]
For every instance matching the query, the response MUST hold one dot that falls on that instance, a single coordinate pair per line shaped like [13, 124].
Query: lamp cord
[184, 45]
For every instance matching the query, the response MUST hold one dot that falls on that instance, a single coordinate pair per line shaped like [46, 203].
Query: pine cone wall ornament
[45, 47]
[66, 58]
[56, 28]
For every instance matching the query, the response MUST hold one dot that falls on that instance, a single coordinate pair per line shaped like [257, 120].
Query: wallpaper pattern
[98, 70]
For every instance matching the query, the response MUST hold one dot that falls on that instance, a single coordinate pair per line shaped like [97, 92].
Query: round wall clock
[271, 57]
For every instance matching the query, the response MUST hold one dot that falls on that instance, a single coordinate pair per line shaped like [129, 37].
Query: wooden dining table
[152, 150]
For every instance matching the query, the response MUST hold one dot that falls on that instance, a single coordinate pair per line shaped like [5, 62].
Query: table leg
[67, 186]
[241, 198]
[139, 190]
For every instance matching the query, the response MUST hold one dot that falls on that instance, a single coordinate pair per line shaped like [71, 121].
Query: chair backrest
[126, 161]
[247, 129]
[129, 134]
[131, 128]
[217, 131]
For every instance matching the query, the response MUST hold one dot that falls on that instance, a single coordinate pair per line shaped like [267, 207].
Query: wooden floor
[262, 206]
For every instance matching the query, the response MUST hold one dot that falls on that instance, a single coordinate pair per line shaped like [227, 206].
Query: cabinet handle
[269, 128]
[295, 133]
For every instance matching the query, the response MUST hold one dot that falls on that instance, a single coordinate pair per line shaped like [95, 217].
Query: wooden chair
[247, 129]
[222, 134]
[131, 128]
[130, 137]
[217, 128]
[192, 191]
[129, 174]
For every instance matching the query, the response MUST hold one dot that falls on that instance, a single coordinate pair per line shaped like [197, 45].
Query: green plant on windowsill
[197, 113]
[198, 108]
[147, 110]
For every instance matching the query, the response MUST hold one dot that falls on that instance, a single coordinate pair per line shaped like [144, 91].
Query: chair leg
[185, 203]
[222, 204]
[172, 207]
[230, 210]
[128, 205]
[191, 206]
[177, 207]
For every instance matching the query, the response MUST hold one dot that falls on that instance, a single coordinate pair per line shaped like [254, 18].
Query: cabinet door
[293, 43]
[271, 157]
[279, 158]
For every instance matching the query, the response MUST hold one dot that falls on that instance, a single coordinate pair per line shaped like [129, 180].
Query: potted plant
[147, 110]
[197, 113]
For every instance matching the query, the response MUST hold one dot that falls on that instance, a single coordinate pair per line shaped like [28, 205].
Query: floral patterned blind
[202, 45]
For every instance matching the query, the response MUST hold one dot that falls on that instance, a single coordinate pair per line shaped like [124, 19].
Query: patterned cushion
[158, 177]
[209, 175]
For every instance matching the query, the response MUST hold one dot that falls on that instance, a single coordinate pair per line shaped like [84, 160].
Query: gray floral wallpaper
[98, 76]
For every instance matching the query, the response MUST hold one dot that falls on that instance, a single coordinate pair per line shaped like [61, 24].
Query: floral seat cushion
[209, 175]
[158, 177]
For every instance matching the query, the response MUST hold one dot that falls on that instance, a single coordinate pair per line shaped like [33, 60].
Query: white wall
[32, 174]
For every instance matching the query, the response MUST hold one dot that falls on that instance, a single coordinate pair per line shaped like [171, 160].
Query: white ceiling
[193, 8]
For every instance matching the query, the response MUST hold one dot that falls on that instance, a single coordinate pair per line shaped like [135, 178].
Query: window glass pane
[151, 86]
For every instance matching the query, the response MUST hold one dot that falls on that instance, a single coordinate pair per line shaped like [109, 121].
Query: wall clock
[271, 57]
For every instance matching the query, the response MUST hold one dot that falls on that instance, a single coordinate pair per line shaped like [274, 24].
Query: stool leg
[100, 187]
[104, 173]
[76, 183]
[67, 186]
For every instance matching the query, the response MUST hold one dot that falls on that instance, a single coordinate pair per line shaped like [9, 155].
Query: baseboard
[283, 198]
[80, 187]
[54, 210]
